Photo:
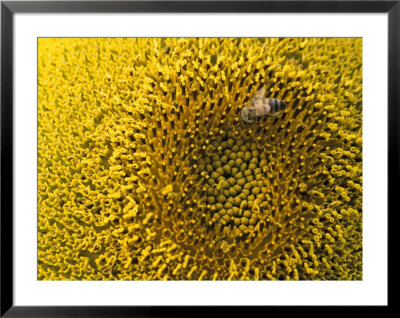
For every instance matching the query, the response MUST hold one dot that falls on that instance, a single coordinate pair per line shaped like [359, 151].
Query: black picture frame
[8, 8]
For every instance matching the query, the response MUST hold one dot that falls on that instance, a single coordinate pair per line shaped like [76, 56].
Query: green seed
[256, 190]
[264, 190]
[227, 218]
[254, 160]
[255, 153]
[219, 206]
[214, 157]
[225, 192]
[250, 203]
[247, 156]
[201, 166]
[235, 170]
[227, 152]
[263, 162]
[260, 183]
[228, 205]
[223, 145]
[247, 186]
[229, 212]
[250, 178]
[257, 171]
[232, 155]
[222, 212]
[238, 200]
[237, 187]
[243, 166]
[246, 192]
[220, 171]
[216, 164]
[216, 191]
[239, 142]
[227, 169]
[259, 176]
[232, 192]
[247, 214]
[237, 221]
[253, 146]
[251, 197]
[207, 160]
[241, 182]
[231, 162]
[230, 200]
[225, 184]
[209, 168]
[238, 162]
[210, 191]
[236, 211]
[252, 221]
[232, 181]
[244, 220]
[263, 155]
[240, 154]
[216, 216]
[224, 159]
[230, 142]
[221, 198]
[252, 166]
[261, 196]
[235, 148]
[242, 196]
[211, 181]
[215, 175]
[243, 148]
[211, 200]
[247, 173]
[220, 179]
[239, 175]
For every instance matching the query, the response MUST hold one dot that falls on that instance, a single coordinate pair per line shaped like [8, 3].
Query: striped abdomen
[276, 105]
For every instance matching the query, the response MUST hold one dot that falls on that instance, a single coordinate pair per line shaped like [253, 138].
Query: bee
[260, 106]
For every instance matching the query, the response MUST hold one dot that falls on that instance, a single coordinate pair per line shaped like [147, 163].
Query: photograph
[207, 158]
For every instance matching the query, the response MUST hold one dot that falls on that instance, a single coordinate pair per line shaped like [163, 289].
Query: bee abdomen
[276, 105]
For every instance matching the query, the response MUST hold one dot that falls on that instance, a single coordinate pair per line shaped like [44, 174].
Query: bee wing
[257, 96]
[260, 93]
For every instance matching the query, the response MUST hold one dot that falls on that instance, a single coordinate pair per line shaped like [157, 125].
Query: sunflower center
[235, 185]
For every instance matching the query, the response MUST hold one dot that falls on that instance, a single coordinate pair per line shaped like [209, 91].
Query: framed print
[162, 155]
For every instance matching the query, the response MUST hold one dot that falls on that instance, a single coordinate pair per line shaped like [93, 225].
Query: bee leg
[274, 115]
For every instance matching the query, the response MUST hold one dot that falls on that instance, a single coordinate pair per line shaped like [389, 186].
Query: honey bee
[260, 106]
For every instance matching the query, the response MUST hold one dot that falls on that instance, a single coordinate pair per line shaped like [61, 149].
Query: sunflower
[147, 172]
